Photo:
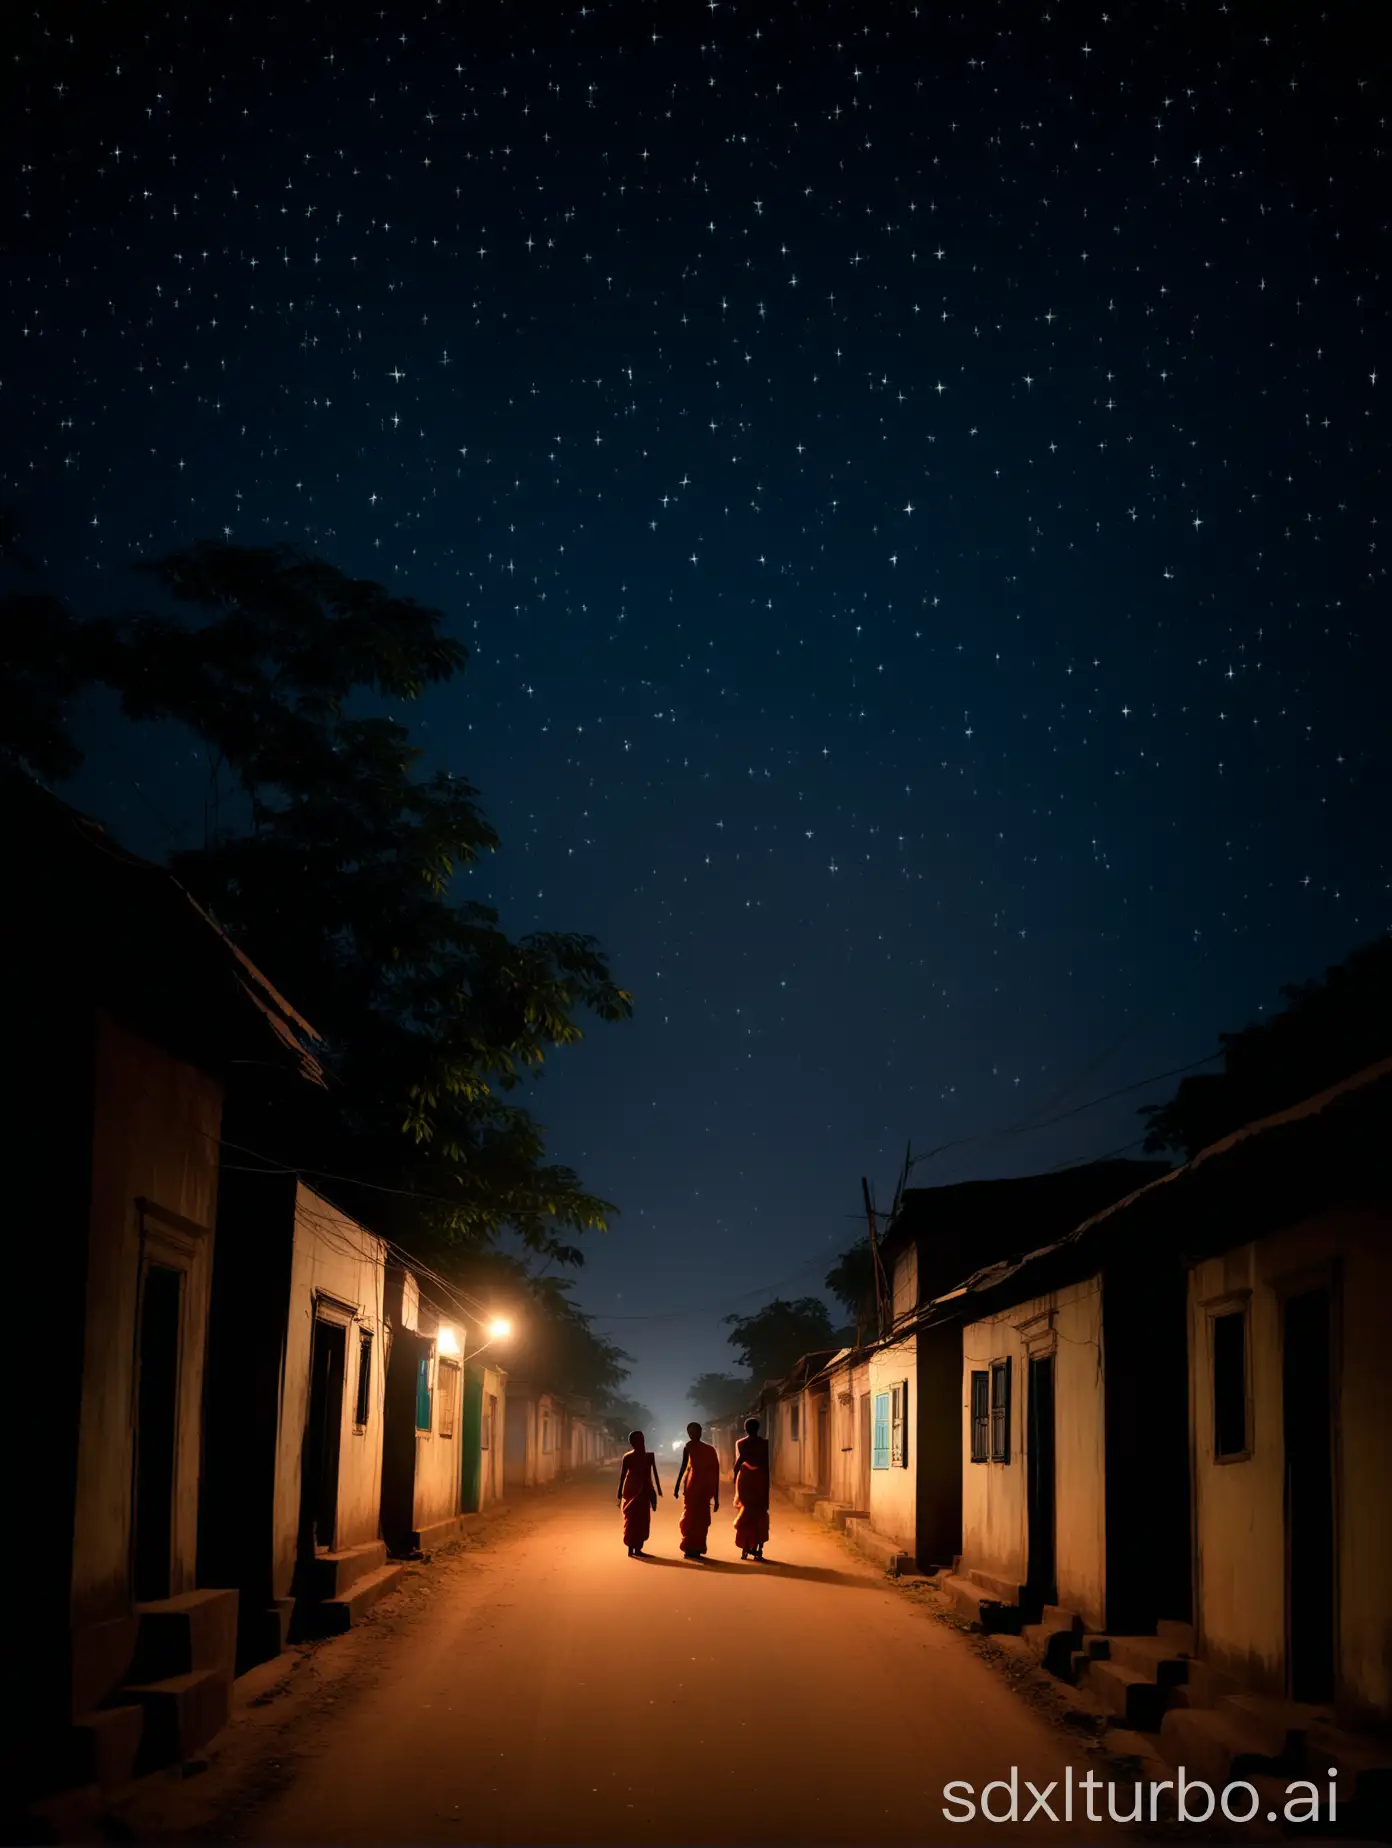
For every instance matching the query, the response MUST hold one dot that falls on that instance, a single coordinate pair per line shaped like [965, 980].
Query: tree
[1328, 1029]
[627, 1415]
[721, 1395]
[851, 1280]
[330, 857]
[770, 1341]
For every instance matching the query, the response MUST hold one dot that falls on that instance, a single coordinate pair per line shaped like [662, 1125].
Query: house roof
[1252, 1136]
[99, 920]
[993, 1209]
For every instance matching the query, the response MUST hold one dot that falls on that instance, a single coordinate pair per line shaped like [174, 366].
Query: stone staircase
[1164, 1704]
[837, 1514]
[341, 1587]
[170, 1700]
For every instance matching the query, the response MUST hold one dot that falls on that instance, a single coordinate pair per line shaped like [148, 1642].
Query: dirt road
[545, 1688]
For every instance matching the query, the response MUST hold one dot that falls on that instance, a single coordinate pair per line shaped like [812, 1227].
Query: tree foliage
[851, 1280]
[722, 1395]
[1329, 1028]
[331, 856]
[627, 1415]
[770, 1341]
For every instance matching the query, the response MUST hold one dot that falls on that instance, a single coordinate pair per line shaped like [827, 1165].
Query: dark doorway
[157, 1423]
[1308, 1418]
[1039, 1466]
[319, 1492]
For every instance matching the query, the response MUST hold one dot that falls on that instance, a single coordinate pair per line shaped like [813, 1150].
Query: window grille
[899, 1424]
[364, 1399]
[1000, 1411]
[981, 1417]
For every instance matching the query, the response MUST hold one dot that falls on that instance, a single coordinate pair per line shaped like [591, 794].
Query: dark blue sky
[910, 481]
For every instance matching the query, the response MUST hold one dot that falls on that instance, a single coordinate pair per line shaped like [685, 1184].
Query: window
[364, 1400]
[423, 1419]
[449, 1396]
[879, 1449]
[489, 1420]
[899, 1424]
[793, 1420]
[981, 1417]
[1230, 1436]
[1000, 1411]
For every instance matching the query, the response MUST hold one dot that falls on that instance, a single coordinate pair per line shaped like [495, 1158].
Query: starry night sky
[909, 478]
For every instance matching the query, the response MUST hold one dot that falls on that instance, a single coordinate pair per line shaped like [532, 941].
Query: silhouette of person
[639, 1489]
[700, 1468]
[751, 1481]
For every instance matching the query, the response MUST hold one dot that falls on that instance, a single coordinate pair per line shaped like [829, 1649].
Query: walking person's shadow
[771, 1568]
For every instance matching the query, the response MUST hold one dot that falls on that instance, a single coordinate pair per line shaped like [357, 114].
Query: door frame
[332, 1312]
[1328, 1278]
[1038, 1448]
[169, 1241]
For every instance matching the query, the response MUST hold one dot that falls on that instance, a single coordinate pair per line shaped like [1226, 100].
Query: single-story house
[534, 1432]
[939, 1235]
[299, 1353]
[799, 1430]
[1177, 1418]
[132, 1024]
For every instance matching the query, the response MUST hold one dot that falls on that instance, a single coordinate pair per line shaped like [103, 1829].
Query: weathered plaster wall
[336, 1256]
[1239, 1506]
[894, 1490]
[520, 1442]
[995, 1514]
[155, 1136]
[493, 1435]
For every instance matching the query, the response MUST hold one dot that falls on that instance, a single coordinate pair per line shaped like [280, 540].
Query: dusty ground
[538, 1686]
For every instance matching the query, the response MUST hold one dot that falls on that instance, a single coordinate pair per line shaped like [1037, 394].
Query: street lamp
[499, 1329]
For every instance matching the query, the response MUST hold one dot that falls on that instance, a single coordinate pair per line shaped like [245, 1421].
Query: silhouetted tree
[1328, 1029]
[770, 1341]
[721, 1395]
[851, 1280]
[330, 857]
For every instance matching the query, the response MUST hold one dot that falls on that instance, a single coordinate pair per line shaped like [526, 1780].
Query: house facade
[134, 1027]
[940, 1235]
[301, 1346]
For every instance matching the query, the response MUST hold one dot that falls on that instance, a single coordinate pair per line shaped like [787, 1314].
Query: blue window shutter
[879, 1456]
[423, 1392]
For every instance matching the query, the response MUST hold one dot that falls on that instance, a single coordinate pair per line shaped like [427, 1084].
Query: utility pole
[880, 1306]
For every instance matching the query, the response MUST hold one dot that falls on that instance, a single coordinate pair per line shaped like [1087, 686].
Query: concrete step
[1002, 1590]
[335, 1615]
[104, 1747]
[1202, 1686]
[182, 1714]
[836, 1514]
[975, 1605]
[332, 1575]
[1055, 1640]
[1135, 1699]
[197, 1629]
[1284, 1724]
[1180, 1636]
[439, 1533]
[1218, 1747]
[1149, 1655]
[1364, 1774]
[879, 1547]
[804, 1500]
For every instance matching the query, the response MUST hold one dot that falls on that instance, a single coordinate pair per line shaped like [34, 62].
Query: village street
[542, 1687]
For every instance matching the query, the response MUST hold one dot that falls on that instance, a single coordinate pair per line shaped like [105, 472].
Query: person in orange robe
[751, 1491]
[700, 1467]
[639, 1489]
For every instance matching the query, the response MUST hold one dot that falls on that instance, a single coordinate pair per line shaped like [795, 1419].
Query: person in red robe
[639, 1489]
[700, 1469]
[751, 1491]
